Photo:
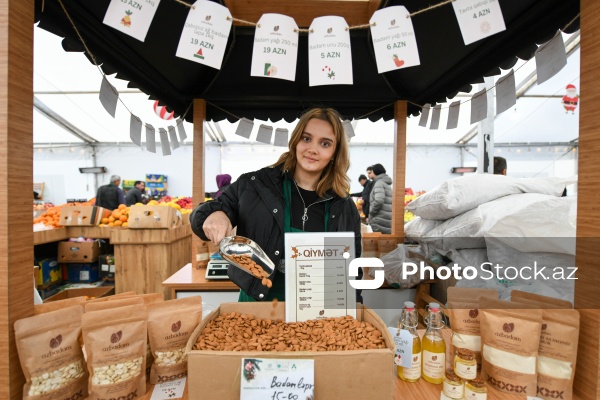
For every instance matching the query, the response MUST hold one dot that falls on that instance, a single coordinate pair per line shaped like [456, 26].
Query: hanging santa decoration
[570, 100]
[162, 112]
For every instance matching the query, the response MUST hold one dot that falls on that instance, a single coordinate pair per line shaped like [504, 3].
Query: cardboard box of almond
[353, 359]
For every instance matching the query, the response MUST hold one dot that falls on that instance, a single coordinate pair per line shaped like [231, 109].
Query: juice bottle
[434, 346]
[408, 321]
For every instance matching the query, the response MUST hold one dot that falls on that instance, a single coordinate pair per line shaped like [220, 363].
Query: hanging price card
[316, 275]
[205, 33]
[329, 55]
[478, 19]
[404, 345]
[394, 39]
[132, 17]
[275, 47]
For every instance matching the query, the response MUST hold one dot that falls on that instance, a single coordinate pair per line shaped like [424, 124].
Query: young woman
[306, 190]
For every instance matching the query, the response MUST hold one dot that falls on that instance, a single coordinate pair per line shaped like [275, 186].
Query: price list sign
[317, 284]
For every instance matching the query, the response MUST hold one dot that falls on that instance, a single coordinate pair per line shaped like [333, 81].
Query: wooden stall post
[587, 378]
[400, 108]
[16, 173]
[198, 164]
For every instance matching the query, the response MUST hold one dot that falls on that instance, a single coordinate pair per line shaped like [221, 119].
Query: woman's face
[316, 147]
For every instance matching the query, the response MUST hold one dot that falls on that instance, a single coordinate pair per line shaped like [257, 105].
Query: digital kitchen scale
[217, 269]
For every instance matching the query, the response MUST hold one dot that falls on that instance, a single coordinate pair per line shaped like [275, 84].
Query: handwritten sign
[478, 19]
[205, 33]
[132, 17]
[316, 275]
[275, 49]
[277, 379]
[329, 55]
[394, 39]
[404, 345]
[169, 390]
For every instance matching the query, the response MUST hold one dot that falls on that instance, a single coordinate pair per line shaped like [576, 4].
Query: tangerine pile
[50, 218]
[119, 217]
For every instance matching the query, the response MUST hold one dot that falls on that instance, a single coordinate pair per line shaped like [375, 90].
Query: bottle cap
[409, 305]
[434, 306]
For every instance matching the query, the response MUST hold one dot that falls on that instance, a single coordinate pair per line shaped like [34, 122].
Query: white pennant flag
[275, 51]
[478, 19]
[133, 18]
[329, 55]
[394, 39]
[205, 34]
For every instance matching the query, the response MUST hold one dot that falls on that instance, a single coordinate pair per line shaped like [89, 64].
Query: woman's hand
[217, 226]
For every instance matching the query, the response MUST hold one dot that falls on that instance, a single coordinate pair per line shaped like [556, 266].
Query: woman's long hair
[334, 176]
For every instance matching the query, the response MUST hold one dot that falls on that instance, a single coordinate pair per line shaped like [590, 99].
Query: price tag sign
[169, 390]
[132, 17]
[404, 345]
[316, 275]
[275, 51]
[478, 19]
[205, 33]
[329, 55]
[394, 39]
[277, 379]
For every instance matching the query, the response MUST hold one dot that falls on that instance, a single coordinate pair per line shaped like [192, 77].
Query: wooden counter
[190, 279]
[49, 236]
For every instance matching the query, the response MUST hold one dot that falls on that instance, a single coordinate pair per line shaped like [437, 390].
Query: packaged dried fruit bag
[115, 344]
[51, 356]
[170, 325]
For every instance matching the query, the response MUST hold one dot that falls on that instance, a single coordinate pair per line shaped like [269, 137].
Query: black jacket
[108, 196]
[134, 195]
[254, 203]
[366, 194]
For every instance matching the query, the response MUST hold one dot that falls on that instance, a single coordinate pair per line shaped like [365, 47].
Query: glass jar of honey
[465, 365]
[453, 386]
[475, 389]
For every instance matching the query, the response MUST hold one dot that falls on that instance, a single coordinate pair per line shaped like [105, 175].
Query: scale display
[217, 269]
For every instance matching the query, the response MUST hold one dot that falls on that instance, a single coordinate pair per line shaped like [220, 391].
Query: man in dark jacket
[367, 185]
[380, 213]
[134, 195]
[111, 195]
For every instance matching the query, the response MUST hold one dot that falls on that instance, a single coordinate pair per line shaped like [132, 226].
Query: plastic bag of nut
[51, 356]
[170, 324]
[115, 344]
[249, 267]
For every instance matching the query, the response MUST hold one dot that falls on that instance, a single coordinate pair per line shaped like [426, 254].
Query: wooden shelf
[49, 236]
[149, 236]
[190, 278]
[94, 232]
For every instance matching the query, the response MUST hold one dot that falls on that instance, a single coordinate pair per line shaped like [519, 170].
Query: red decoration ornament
[571, 99]
[162, 112]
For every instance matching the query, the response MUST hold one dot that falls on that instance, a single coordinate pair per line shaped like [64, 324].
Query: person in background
[136, 193]
[306, 190]
[362, 179]
[380, 211]
[366, 195]
[367, 185]
[111, 195]
[223, 182]
[499, 166]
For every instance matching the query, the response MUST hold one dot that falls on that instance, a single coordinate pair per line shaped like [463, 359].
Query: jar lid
[452, 376]
[478, 383]
[465, 354]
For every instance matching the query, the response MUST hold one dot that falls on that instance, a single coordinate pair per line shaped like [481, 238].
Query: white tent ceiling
[67, 84]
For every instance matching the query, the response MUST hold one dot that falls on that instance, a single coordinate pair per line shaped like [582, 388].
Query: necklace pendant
[305, 216]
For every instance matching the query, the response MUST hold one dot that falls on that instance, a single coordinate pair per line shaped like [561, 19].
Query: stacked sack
[499, 222]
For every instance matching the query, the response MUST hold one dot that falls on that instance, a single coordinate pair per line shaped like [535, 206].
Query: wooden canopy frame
[16, 167]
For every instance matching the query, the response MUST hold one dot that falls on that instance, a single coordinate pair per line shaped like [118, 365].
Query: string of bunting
[207, 27]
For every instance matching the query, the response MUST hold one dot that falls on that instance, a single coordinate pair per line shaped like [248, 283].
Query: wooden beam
[198, 163]
[400, 115]
[587, 377]
[355, 12]
[16, 174]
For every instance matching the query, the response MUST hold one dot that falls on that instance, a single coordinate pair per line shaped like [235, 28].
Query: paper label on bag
[205, 33]
[275, 51]
[271, 378]
[169, 390]
[329, 55]
[394, 39]
[478, 19]
[404, 345]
